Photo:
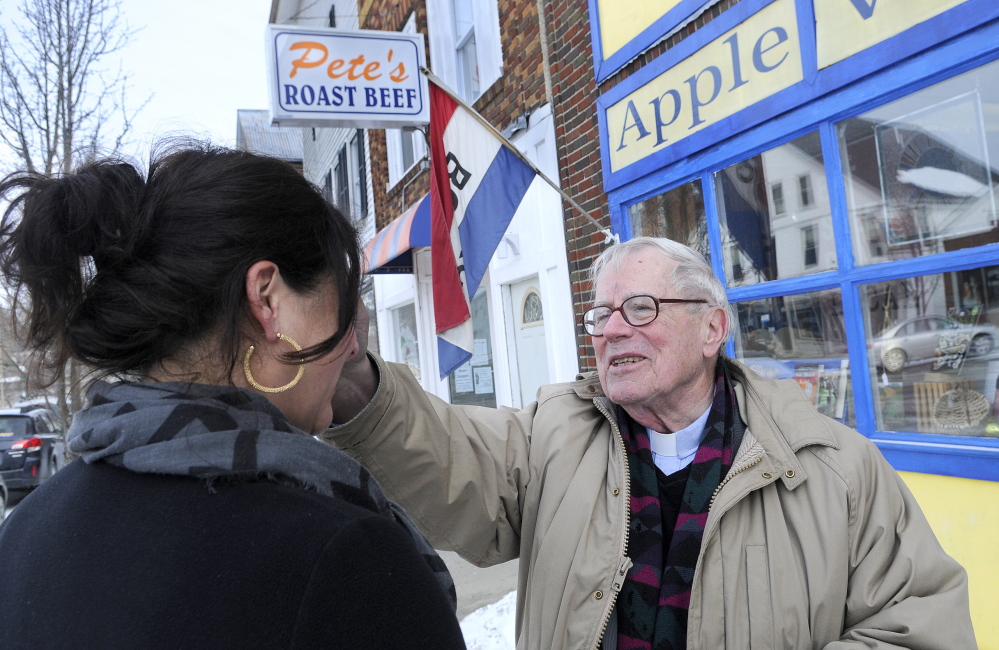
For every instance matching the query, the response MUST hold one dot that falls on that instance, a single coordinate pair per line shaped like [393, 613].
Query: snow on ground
[492, 627]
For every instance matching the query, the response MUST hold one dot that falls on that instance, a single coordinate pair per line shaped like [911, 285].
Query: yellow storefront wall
[962, 513]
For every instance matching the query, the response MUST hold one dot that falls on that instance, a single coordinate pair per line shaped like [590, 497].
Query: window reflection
[780, 233]
[800, 337]
[932, 351]
[407, 345]
[677, 215]
[921, 172]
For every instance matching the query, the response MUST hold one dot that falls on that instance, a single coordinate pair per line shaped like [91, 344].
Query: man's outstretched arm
[359, 377]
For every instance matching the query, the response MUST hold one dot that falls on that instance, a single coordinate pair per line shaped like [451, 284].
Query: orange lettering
[399, 74]
[335, 65]
[371, 67]
[352, 74]
[303, 61]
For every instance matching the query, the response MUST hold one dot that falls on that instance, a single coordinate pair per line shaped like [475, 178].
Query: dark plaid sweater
[101, 557]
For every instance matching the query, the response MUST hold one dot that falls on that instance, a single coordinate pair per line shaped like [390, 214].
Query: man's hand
[359, 378]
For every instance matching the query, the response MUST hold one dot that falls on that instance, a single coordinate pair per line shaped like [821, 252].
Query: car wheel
[981, 344]
[894, 359]
[3, 507]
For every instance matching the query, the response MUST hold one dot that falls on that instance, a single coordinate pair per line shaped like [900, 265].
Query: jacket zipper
[625, 562]
[729, 478]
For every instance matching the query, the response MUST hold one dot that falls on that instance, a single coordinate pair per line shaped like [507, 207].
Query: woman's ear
[263, 289]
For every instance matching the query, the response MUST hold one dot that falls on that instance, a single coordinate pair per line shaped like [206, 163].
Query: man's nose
[617, 327]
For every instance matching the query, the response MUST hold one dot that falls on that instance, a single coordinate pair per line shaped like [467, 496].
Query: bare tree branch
[58, 96]
[62, 96]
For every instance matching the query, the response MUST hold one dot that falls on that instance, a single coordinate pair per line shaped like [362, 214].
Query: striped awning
[391, 251]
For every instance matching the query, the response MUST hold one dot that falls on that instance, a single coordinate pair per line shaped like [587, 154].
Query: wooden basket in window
[960, 410]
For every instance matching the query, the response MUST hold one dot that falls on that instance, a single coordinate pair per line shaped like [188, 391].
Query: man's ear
[715, 331]
[263, 283]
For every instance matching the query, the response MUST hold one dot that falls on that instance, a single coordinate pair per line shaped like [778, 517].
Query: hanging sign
[357, 79]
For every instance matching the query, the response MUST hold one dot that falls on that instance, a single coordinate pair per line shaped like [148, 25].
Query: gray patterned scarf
[213, 432]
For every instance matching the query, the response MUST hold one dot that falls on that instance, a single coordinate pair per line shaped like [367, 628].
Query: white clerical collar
[682, 443]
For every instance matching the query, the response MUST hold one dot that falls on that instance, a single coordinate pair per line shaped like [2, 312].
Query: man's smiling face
[657, 365]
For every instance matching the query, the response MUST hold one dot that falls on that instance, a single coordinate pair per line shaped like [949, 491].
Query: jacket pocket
[761, 622]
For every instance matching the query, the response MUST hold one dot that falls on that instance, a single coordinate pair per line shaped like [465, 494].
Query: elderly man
[673, 499]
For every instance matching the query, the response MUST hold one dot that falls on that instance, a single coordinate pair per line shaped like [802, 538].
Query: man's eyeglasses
[636, 311]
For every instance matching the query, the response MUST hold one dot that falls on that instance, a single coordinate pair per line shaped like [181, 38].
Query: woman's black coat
[101, 557]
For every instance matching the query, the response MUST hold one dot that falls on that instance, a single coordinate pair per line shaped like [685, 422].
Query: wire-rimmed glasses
[637, 311]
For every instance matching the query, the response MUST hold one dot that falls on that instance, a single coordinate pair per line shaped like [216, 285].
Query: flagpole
[609, 237]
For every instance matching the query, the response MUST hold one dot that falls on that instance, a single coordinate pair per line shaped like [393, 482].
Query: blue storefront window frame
[839, 79]
[948, 455]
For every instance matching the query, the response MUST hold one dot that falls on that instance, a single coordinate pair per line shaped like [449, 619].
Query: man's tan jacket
[812, 540]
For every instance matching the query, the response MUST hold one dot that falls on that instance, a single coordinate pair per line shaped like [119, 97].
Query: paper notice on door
[483, 380]
[480, 353]
[463, 379]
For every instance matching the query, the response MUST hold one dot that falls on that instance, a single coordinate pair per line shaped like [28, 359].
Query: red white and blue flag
[476, 185]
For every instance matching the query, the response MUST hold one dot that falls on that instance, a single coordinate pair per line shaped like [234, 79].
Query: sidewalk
[479, 587]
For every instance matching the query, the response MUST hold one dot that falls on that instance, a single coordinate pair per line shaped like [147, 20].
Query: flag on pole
[476, 185]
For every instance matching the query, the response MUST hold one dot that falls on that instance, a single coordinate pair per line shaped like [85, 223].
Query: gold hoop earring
[265, 389]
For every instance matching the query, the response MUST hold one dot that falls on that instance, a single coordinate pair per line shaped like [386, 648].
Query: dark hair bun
[122, 272]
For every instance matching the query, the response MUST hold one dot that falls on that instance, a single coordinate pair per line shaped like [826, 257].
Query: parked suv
[31, 446]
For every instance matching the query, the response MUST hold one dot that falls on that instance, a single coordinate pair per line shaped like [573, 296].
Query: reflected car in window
[31, 447]
[943, 342]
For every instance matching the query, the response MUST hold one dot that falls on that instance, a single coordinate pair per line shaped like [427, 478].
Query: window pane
[408, 155]
[761, 238]
[368, 298]
[800, 337]
[407, 346]
[932, 351]
[918, 171]
[362, 173]
[14, 425]
[778, 194]
[468, 69]
[472, 382]
[809, 244]
[677, 215]
[342, 182]
[464, 20]
[328, 186]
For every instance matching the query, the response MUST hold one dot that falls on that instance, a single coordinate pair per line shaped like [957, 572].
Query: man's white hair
[692, 276]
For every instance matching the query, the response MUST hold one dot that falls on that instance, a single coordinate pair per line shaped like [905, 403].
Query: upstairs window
[805, 186]
[465, 47]
[778, 193]
[464, 37]
[358, 160]
[350, 175]
[341, 175]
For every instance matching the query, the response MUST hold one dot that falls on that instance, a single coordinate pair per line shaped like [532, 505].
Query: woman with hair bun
[215, 298]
